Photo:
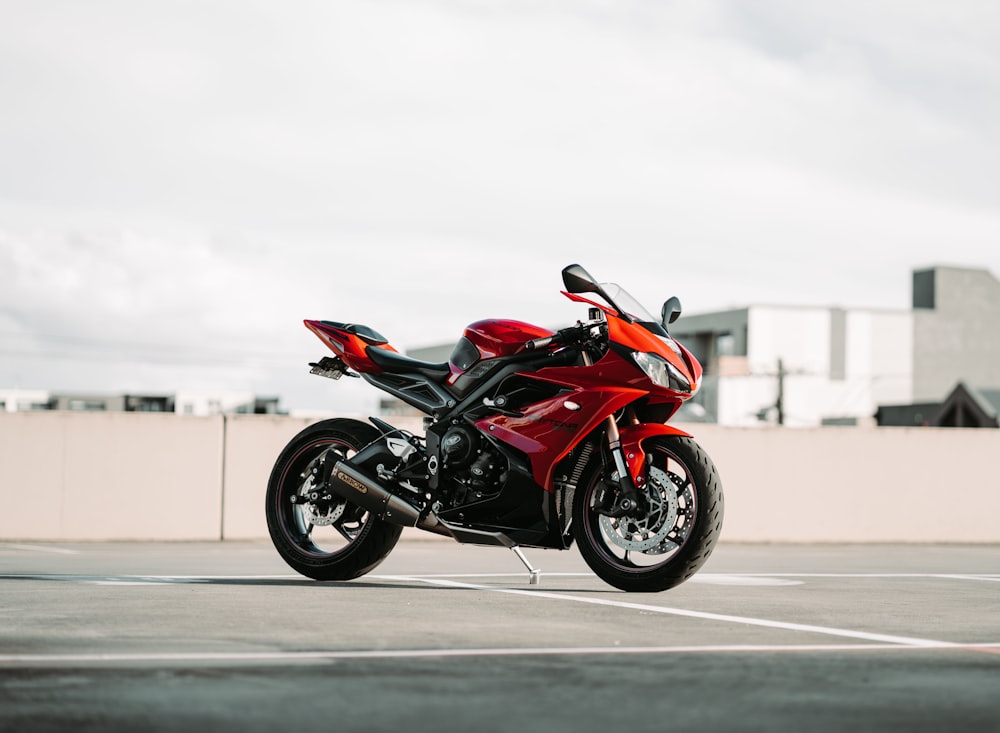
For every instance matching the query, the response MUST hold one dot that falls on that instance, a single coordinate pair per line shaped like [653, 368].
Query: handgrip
[538, 343]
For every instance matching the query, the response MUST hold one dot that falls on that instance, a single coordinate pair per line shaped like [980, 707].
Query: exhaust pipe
[351, 484]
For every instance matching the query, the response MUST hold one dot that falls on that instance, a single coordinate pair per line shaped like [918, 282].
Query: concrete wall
[253, 442]
[127, 476]
[96, 476]
[857, 484]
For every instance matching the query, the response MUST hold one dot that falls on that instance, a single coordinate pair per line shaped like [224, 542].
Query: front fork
[628, 501]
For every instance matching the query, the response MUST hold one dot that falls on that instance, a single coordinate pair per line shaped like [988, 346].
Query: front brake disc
[649, 532]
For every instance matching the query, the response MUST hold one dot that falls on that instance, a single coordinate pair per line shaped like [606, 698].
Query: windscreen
[623, 301]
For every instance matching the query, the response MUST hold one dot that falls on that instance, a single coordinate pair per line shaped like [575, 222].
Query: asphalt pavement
[445, 637]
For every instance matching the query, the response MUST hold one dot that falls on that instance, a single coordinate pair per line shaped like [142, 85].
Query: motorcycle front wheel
[324, 538]
[675, 536]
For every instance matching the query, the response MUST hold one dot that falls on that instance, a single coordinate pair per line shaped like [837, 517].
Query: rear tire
[677, 535]
[333, 540]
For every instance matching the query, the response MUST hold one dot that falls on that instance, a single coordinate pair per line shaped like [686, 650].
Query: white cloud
[208, 174]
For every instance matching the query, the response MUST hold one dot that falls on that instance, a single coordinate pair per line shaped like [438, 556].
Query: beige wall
[857, 484]
[93, 476]
[97, 476]
[253, 442]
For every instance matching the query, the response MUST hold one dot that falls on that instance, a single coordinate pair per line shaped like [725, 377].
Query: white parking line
[146, 579]
[947, 576]
[41, 548]
[704, 615]
[311, 656]
[991, 578]
[870, 641]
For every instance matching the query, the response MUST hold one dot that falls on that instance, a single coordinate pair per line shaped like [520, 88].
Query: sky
[183, 182]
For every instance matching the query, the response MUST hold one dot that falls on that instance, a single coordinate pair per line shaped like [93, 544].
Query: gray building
[956, 331]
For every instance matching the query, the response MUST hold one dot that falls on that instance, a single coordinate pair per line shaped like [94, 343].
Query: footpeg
[533, 573]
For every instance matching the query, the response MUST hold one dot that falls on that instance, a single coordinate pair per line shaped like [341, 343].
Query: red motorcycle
[532, 439]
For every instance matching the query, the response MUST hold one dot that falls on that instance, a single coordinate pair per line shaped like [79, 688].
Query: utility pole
[780, 402]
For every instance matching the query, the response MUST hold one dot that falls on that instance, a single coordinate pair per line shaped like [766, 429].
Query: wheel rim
[318, 529]
[640, 545]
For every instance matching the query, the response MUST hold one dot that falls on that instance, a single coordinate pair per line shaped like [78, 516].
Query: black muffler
[349, 483]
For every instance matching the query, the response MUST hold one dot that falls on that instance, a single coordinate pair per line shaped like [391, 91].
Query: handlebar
[580, 334]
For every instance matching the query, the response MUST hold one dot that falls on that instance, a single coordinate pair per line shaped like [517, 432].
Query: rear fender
[632, 437]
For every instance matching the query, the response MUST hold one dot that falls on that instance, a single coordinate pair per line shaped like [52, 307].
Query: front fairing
[630, 331]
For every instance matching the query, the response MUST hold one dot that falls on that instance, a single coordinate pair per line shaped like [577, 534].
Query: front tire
[675, 537]
[324, 540]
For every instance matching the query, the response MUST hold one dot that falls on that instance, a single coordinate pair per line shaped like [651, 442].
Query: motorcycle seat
[395, 363]
[365, 333]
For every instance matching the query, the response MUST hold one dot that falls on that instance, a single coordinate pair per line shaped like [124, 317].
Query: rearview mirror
[671, 310]
[578, 280]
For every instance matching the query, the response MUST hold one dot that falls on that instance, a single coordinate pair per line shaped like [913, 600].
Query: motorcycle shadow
[136, 580]
[289, 582]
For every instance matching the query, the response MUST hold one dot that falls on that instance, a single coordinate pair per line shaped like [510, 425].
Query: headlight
[661, 371]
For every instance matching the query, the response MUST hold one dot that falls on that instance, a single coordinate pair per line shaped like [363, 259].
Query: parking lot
[442, 637]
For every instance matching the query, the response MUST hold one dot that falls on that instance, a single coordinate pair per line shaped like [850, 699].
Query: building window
[923, 289]
[725, 344]
[88, 405]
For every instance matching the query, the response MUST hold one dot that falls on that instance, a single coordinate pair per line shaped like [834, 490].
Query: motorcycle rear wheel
[676, 536]
[325, 541]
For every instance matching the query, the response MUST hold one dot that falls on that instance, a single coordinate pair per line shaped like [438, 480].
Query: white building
[185, 402]
[223, 403]
[805, 366]
[800, 365]
[19, 400]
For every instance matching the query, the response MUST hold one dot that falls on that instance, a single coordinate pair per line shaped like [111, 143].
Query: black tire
[675, 538]
[333, 541]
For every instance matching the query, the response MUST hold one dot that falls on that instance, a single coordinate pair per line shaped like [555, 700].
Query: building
[965, 407]
[23, 400]
[187, 403]
[90, 402]
[811, 365]
[956, 330]
[797, 365]
[225, 403]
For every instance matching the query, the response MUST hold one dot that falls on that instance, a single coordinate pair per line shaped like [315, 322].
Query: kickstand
[533, 573]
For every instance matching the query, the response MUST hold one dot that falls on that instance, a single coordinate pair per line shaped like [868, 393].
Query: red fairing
[350, 347]
[640, 339]
[495, 338]
[549, 429]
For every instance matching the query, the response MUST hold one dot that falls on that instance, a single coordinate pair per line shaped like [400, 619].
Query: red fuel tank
[491, 339]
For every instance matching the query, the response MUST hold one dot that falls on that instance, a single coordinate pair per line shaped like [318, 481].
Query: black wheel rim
[654, 541]
[317, 529]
